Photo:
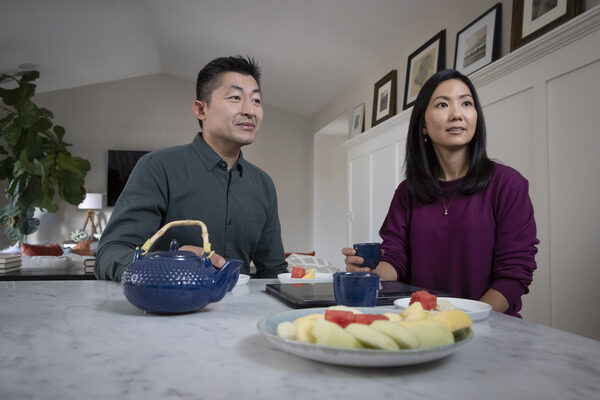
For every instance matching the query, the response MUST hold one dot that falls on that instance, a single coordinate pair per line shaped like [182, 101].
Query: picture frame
[533, 18]
[422, 64]
[358, 120]
[478, 44]
[384, 98]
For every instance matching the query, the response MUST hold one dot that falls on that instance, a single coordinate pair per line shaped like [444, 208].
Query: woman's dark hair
[209, 77]
[421, 165]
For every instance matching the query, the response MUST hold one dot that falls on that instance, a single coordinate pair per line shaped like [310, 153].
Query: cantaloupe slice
[453, 319]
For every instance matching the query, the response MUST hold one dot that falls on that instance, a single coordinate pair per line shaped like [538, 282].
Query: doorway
[330, 180]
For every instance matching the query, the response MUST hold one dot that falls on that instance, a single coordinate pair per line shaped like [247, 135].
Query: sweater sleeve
[514, 254]
[138, 214]
[395, 233]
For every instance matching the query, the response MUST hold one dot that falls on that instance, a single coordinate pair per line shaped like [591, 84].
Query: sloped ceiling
[309, 50]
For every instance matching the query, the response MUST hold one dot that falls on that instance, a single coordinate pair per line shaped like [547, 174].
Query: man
[207, 180]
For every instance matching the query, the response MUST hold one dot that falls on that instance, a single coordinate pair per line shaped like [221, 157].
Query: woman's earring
[425, 139]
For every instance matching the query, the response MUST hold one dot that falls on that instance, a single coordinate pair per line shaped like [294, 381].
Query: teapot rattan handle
[184, 222]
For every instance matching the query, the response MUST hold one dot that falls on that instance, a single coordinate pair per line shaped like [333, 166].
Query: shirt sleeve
[269, 256]
[514, 254]
[137, 215]
[395, 234]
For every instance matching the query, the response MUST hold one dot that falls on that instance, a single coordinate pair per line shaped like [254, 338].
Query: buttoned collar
[211, 159]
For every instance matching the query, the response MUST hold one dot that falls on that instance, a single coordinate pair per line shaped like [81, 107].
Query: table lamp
[91, 202]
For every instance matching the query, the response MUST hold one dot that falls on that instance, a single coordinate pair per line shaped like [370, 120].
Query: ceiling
[309, 50]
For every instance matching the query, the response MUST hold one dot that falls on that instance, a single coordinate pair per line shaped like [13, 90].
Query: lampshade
[92, 201]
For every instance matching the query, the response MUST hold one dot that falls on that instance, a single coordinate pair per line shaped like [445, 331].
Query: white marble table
[83, 340]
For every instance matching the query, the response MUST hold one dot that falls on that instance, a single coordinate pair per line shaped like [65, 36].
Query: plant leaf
[29, 76]
[44, 112]
[76, 165]
[12, 134]
[10, 97]
[28, 113]
[27, 91]
[41, 124]
[70, 187]
[6, 120]
[6, 168]
[60, 132]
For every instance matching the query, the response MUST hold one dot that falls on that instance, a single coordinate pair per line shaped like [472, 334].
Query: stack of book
[88, 264]
[9, 263]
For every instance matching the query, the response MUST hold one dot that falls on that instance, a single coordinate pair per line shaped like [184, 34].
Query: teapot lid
[174, 255]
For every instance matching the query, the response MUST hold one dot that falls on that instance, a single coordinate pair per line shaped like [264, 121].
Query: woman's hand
[353, 261]
[216, 260]
[385, 270]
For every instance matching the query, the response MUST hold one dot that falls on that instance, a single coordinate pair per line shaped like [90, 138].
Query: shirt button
[229, 222]
[222, 164]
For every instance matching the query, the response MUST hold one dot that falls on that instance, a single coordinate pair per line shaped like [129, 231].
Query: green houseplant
[34, 161]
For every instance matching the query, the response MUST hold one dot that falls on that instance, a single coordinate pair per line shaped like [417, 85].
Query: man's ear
[199, 108]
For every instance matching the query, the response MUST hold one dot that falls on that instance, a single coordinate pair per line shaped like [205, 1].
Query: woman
[459, 223]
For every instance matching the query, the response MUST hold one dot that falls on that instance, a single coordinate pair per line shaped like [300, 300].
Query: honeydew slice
[304, 331]
[309, 317]
[331, 334]
[370, 337]
[393, 316]
[403, 336]
[286, 330]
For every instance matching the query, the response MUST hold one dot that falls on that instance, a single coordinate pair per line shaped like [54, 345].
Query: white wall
[330, 188]
[155, 111]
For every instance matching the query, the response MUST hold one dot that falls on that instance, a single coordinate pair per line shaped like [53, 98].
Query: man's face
[234, 113]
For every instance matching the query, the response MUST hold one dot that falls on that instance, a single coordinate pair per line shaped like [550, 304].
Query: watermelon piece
[367, 319]
[340, 317]
[298, 272]
[427, 300]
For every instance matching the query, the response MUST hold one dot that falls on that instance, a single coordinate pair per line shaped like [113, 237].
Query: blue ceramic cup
[370, 252]
[356, 289]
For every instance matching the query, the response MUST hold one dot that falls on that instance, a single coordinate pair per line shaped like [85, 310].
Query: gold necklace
[446, 207]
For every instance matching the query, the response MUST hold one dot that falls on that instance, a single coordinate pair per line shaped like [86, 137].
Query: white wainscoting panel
[574, 133]
[359, 186]
[384, 165]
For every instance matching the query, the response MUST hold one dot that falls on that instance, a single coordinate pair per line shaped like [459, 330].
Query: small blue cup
[356, 289]
[370, 252]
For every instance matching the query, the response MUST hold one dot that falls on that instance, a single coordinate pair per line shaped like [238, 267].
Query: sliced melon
[371, 338]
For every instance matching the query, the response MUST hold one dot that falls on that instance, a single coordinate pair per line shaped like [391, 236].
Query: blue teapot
[174, 282]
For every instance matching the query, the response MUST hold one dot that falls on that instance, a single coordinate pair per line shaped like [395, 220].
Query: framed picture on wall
[478, 44]
[422, 64]
[358, 120]
[533, 18]
[384, 98]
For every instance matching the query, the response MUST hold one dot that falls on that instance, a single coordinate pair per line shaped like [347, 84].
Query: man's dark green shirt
[239, 208]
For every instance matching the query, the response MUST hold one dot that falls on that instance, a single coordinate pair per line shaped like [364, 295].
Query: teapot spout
[225, 279]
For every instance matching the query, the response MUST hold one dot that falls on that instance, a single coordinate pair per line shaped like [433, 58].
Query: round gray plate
[351, 357]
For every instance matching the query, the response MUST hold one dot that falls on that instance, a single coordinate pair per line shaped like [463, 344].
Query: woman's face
[451, 117]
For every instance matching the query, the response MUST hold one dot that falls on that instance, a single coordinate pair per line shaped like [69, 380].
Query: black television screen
[120, 164]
